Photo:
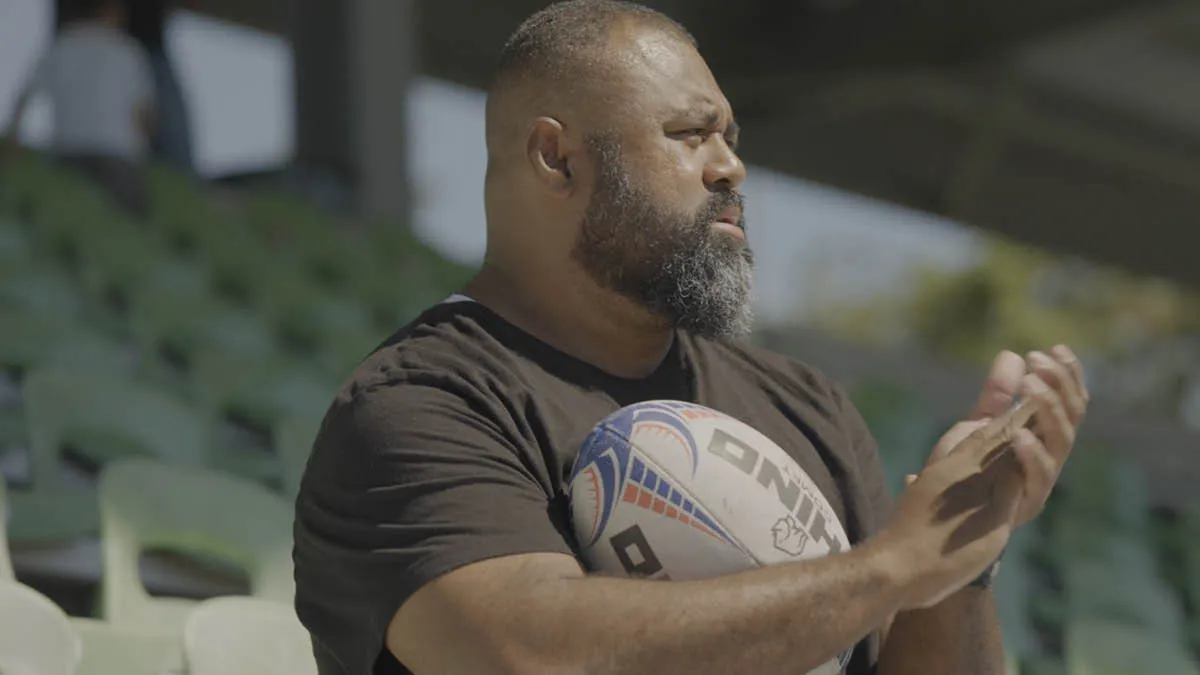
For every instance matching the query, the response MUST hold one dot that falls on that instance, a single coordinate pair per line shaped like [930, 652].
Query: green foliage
[1021, 298]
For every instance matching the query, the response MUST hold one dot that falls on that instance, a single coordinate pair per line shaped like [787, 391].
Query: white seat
[36, 637]
[246, 636]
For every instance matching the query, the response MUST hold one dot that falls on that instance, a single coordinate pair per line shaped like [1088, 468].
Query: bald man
[432, 528]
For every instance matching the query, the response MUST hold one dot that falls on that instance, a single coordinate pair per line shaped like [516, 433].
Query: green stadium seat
[172, 329]
[151, 505]
[247, 635]
[1043, 664]
[1108, 486]
[1099, 591]
[1098, 647]
[15, 245]
[310, 320]
[39, 289]
[1075, 537]
[258, 393]
[1013, 587]
[107, 417]
[902, 423]
[293, 440]
[29, 340]
[103, 417]
[37, 637]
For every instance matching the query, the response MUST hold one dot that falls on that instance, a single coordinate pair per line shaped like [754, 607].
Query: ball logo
[788, 536]
[604, 464]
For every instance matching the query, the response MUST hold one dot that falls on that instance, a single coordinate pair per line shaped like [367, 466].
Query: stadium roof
[1070, 124]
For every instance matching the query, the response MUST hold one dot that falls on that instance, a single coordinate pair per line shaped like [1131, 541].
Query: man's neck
[575, 316]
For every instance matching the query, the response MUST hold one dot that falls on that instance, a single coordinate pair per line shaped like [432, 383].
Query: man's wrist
[988, 576]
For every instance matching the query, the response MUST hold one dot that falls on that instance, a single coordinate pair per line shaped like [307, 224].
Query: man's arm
[539, 614]
[959, 635]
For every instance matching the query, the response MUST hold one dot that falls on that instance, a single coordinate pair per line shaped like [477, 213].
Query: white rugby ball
[673, 490]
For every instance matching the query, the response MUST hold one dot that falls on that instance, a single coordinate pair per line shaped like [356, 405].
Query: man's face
[664, 224]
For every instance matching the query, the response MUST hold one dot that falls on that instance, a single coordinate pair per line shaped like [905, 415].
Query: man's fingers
[1065, 356]
[1054, 425]
[1003, 382]
[953, 439]
[1040, 470]
[1061, 379]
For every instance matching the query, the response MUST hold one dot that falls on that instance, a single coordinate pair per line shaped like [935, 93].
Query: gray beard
[672, 264]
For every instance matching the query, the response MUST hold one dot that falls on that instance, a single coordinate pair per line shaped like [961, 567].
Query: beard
[670, 263]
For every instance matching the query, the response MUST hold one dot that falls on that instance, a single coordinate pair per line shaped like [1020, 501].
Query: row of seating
[220, 636]
[185, 360]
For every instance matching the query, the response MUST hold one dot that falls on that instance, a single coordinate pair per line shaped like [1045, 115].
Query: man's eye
[694, 135]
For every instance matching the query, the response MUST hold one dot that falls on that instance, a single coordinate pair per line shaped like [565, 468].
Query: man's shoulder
[450, 347]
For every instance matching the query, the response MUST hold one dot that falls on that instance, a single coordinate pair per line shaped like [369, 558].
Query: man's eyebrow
[711, 118]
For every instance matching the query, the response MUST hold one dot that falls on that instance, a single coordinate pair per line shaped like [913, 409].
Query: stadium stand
[161, 381]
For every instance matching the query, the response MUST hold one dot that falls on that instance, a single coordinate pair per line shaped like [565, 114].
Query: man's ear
[548, 152]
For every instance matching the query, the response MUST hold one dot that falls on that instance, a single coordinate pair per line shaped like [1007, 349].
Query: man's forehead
[668, 70]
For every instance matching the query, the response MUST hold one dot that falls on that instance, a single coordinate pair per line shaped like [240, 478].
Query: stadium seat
[103, 417]
[1098, 647]
[1099, 591]
[14, 242]
[1075, 536]
[902, 424]
[107, 417]
[259, 393]
[152, 505]
[39, 289]
[1108, 486]
[1013, 587]
[171, 330]
[113, 650]
[234, 635]
[37, 637]
[293, 440]
[31, 340]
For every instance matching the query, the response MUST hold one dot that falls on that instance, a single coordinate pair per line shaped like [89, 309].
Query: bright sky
[813, 244]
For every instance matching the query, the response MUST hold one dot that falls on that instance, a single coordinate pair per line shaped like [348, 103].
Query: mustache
[720, 201]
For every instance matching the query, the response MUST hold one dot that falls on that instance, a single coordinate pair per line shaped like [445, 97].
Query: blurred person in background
[172, 140]
[99, 84]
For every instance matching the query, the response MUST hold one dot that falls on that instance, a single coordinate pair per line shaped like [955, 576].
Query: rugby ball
[671, 490]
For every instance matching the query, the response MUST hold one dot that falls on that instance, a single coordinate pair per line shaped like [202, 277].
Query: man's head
[611, 154]
[111, 12]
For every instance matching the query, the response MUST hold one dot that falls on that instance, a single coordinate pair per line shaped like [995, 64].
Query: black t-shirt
[454, 441]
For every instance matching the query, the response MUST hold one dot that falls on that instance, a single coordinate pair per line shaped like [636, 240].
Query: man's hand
[1054, 383]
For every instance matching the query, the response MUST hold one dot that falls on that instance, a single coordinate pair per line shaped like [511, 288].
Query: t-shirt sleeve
[406, 483]
[874, 481]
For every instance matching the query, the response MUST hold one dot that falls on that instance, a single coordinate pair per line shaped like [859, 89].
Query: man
[172, 140]
[99, 85]
[432, 531]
